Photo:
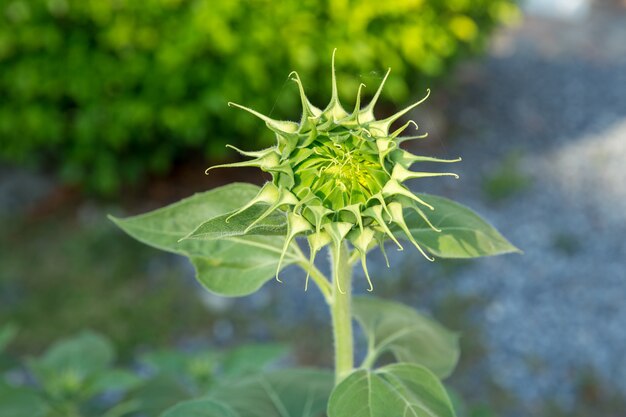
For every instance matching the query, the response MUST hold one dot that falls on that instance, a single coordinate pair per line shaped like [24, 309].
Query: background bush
[106, 91]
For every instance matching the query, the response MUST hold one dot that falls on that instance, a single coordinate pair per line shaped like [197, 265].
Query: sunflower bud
[339, 175]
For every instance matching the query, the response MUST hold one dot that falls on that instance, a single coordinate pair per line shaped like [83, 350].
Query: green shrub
[108, 91]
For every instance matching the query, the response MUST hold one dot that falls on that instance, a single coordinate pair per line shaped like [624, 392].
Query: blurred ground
[541, 126]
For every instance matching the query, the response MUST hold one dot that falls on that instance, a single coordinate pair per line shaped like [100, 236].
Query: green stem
[340, 312]
[370, 359]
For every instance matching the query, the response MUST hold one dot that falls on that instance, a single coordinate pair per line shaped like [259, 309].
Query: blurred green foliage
[78, 377]
[107, 91]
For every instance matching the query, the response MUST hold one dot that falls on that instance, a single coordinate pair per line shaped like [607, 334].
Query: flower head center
[341, 171]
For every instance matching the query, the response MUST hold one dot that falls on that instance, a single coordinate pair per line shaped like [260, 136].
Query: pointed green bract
[336, 168]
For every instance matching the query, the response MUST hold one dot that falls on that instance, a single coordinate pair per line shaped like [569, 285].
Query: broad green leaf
[240, 266]
[410, 336]
[163, 228]
[222, 226]
[21, 402]
[398, 390]
[67, 365]
[200, 408]
[463, 234]
[286, 393]
[231, 267]
[250, 359]
[88, 352]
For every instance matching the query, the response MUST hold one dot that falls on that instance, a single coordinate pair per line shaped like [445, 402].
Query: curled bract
[339, 174]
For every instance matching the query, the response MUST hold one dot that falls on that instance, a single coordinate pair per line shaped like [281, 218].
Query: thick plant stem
[340, 312]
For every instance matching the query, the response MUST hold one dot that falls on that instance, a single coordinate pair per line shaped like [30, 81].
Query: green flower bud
[340, 175]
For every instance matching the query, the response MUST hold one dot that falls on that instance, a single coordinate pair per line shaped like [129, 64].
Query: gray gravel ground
[558, 99]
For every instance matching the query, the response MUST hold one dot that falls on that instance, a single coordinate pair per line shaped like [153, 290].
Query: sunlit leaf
[165, 227]
[463, 234]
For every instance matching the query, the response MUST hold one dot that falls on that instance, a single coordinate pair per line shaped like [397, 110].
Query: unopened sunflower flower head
[339, 175]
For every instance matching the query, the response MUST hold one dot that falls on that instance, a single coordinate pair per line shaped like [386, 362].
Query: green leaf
[200, 408]
[408, 335]
[88, 352]
[7, 334]
[463, 234]
[398, 390]
[230, 267]
[286, 393]
[159, 394]
[240, 266]
[21, 402]
[66, 366]
[196, 370]
[221, 226]
[251, 359]
[122, 409]
[163, 228]
[114, 380]
[167, 362]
